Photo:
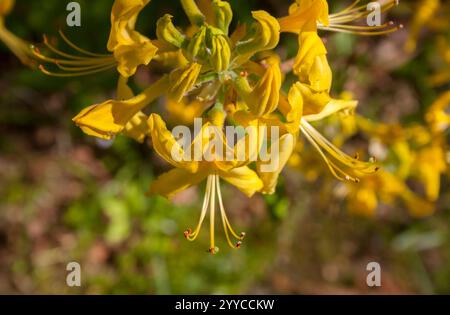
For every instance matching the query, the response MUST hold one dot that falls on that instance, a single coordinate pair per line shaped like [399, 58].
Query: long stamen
[79, 49]
[212, 209]
[338, 21]
[354, 166]
[191, 236]
[226, 224]
[72, 65]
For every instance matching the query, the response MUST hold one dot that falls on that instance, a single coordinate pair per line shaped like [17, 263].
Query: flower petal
[244, 179]
[175, 181]
[166, 146]
[107, 119]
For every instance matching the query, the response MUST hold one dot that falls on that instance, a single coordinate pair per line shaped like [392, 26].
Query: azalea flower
[191, 172]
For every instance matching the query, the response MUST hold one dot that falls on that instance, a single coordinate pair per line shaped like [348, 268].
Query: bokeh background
[67, 197]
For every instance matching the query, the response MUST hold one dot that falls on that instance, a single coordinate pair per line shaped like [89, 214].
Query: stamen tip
[187, 233]
[213, 251]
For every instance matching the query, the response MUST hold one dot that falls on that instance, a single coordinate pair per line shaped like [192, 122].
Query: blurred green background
[66, 197]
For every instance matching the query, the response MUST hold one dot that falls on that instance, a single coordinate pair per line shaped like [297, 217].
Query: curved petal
[304, 15]
[167, 147]
[175, 181]
[244, 179]
[130, 48]
[280, 152]
[334, 106]
[107, 119]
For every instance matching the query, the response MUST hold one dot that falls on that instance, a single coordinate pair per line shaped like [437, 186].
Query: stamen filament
[67, 75]
[226, 224]
[354, 13]
[320, 143]
[79, 49]
[212, 209]
[193, 236]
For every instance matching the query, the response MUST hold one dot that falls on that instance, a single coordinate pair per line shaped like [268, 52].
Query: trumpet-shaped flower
[191, 172]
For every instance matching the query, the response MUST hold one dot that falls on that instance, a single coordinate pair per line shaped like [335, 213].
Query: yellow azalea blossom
[18, 46]
[188, 173]
[234, 78]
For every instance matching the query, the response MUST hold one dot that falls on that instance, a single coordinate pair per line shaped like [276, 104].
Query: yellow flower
[190, 172]
[130, 48]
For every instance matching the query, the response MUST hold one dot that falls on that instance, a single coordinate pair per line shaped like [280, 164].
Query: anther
[238, 244]
[213, 251]
[187, 233]
[243, 235]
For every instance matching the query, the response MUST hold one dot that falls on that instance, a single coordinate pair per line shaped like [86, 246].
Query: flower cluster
[228, 77]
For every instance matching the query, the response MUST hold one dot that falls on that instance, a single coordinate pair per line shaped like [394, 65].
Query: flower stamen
[350, 167]
[338, 21]
[72, 65]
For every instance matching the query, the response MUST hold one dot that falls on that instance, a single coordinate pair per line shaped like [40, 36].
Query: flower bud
[165, 30]
[264, 35]
[183, 79]
[223, 15]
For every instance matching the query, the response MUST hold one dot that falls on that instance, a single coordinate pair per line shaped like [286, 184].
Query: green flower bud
[165, 30]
